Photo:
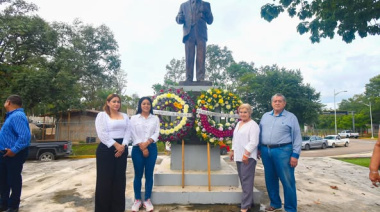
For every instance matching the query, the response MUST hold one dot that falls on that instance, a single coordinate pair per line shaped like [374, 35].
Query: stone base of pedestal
[195, 83]
[195, 157]
[225, 186]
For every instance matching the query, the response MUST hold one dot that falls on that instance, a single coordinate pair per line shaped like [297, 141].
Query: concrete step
[200, 195]
[164, 176]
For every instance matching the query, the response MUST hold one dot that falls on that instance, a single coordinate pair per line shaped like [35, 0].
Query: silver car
[313, 142]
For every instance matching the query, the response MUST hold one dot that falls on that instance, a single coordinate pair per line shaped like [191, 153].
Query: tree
[132, 101]
[26, 40]
[217, 61]
[372, 89]
[94, 55]
[236, 70]
[324, 18]
[359, 104]
[175, 71]
[56, 66]
[258, 88]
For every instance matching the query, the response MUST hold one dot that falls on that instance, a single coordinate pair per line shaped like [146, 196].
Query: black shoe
[12, 210]
[3, 208]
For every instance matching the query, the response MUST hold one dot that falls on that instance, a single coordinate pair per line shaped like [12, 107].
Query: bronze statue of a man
[194, 14]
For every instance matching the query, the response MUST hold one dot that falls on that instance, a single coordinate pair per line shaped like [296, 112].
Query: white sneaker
[148, 205]
[136, 205]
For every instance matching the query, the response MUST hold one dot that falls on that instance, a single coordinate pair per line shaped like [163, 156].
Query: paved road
[356, 146]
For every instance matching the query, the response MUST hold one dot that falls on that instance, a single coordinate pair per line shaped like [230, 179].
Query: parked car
[335, 140]
[348, 134]
[48, 150]
[312, 142]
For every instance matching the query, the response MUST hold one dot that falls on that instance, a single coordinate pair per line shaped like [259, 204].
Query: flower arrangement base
[195, 157]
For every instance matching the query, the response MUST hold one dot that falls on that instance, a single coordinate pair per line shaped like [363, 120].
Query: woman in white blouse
[145, 132]
[244, 152]
[113, 129]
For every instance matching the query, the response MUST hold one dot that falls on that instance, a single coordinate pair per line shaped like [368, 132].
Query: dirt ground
[324, 185]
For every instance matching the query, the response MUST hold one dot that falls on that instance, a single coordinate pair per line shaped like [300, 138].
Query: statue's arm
[180, 16]
[208, 14]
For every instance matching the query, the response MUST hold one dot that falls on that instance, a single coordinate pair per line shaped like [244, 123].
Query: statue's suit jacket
[200, 22]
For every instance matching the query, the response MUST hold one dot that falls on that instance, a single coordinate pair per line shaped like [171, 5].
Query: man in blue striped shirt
[14, 142]
[280, 147]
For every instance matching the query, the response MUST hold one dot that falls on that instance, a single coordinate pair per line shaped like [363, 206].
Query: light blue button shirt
[281, 129]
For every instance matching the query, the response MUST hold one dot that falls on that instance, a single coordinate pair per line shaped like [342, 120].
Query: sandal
[271, 208]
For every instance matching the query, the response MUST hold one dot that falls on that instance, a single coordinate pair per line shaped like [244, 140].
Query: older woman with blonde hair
[244, 152]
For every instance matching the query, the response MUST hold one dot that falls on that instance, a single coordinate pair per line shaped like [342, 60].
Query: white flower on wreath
[228, 107]
[212, 140]
[197, 129]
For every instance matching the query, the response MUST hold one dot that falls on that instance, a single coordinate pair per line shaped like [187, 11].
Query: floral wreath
[208, 103]
[176, 111]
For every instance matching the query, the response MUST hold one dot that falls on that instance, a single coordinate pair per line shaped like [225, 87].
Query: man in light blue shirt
[280, 147]
[14, 142]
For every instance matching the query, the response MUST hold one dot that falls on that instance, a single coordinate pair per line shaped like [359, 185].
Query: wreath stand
[208, 165]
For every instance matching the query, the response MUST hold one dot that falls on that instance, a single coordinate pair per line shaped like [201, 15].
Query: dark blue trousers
[141, 165]
[11, 179]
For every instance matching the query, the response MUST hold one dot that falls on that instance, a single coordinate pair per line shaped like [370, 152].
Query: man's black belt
[275, 145]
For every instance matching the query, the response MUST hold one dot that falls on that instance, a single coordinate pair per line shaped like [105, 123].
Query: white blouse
[245, 138]
[109, 129]
[144, 128]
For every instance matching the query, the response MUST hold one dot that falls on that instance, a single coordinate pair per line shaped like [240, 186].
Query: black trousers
[110, 179]
[11, 179]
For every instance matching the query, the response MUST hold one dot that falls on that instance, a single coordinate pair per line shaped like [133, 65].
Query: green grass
[90, 149]
[84, 149]
[358, 161]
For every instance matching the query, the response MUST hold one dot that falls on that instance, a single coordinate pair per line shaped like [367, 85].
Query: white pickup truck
[348, 134]
[335, 140]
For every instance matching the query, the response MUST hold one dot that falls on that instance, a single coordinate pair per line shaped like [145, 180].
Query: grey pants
[247, 178]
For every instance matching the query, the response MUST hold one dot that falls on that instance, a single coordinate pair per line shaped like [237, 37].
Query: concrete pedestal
[195, 157]
[225, 185]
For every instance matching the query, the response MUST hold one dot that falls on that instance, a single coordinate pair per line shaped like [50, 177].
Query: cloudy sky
[149, 38]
